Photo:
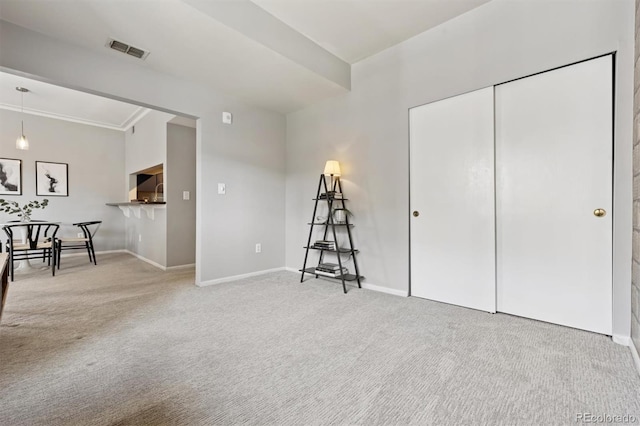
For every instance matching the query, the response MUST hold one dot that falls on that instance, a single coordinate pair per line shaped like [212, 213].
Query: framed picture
[52, 179]
[10, 176]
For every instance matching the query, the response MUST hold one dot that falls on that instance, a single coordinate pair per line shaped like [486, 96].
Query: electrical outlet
[80, 235]
[139, 238]
[258, 248]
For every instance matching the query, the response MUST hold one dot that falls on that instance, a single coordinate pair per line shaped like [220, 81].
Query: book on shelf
[331, 194]
[322, 244]
[334, 274]
[329, 267]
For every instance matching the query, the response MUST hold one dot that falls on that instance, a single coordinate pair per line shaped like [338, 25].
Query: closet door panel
[452, 191]
[553, 171]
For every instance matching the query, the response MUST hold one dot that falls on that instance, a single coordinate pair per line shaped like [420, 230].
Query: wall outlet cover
[227, 117]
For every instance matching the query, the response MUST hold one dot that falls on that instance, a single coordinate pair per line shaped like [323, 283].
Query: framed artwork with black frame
[10, 176]
[52, 179]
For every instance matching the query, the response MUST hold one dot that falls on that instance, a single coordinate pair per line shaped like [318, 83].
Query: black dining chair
[85, 242]
[39, 243]
[44, 259]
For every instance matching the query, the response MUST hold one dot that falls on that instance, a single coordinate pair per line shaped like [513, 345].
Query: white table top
[29, 223]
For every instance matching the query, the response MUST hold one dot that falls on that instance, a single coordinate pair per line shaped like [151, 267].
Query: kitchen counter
[136, 207]
[136, 203]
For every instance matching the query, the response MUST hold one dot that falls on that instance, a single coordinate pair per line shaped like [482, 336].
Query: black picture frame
[10, 176]
[52, 179]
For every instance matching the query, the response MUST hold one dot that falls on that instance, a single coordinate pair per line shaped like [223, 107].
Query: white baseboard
[627, 341]
[367, 286]
[144, 259]
[621, 340]
[635, 355]
[387, 290]
[111, 251]
[178, 267]
[151, 262]
[238, 277]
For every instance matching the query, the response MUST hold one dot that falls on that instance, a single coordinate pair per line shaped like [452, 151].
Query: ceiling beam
[257, 24]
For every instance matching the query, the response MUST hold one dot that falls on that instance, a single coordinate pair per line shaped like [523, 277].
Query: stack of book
[325, 245]
[331, 195]
[330, 270]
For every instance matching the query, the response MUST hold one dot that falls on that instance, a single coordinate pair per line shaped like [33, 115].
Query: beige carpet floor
[123, 343]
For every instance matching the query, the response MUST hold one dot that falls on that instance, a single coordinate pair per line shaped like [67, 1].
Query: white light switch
[186, 195]
[222, 189]
[227, 117]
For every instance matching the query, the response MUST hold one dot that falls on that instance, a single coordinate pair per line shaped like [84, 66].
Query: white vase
[339, 216]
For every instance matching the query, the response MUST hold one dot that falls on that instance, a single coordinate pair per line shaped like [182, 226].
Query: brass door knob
[599, 212]
[416, 213]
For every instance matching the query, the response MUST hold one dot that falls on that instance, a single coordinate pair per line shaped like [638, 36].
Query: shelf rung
[347, 277]
[341, 250]
[330, 224]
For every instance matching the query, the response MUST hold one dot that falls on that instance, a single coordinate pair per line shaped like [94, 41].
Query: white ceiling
[278, 54]
[355, 29]
[61, 103]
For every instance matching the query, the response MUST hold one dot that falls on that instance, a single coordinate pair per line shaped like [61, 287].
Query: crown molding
[136, 116]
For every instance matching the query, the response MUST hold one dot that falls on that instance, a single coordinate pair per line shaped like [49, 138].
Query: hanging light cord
[22, 142]
[22, 111]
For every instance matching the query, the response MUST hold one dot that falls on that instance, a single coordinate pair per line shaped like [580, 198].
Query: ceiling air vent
[128, 49]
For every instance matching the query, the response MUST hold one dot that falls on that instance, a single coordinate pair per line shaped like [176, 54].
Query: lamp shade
[332, 167]
[22, 143]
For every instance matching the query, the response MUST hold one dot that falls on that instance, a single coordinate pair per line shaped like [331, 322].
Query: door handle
[599, 212]
[416, 213]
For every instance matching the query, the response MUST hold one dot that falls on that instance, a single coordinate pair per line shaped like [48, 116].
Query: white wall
[248, 155]
[145, 148]
[367, 129]
[96, 166]
[180, 173]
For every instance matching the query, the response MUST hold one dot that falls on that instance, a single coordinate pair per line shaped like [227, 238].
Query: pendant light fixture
[22, 142]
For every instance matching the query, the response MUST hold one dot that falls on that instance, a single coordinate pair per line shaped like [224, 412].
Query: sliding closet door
[452, 201]
[554, 196]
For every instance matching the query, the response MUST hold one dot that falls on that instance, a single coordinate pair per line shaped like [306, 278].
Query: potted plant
[24, 212]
